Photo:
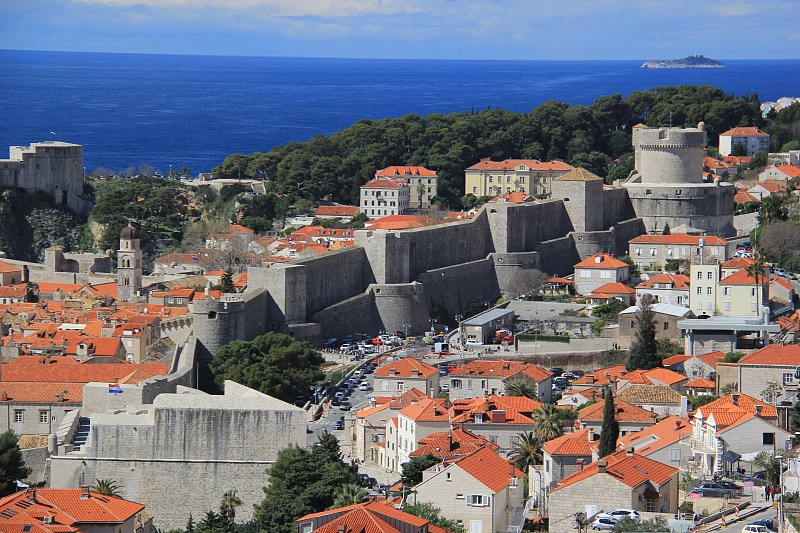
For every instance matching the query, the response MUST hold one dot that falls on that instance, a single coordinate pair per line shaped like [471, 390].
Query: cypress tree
[644, 350]
[12, 465]
[227, 282]
[610, 430]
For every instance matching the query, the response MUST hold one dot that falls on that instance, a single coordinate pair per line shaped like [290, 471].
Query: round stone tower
[669, 155]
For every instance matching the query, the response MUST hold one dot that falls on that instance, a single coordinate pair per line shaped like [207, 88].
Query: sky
[413, 29]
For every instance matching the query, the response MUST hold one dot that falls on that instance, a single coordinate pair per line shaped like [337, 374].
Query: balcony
[700, 446]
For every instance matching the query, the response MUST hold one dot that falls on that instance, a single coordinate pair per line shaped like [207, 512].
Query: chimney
[499, 416]
[678, 424]
[32, 495]
[341, 528]
[601, 466]
[598, 259]
[84, 492]
[3, 396]
[758, 409]
[629, 451]
[590, 434]
[590, 378]
[735, 399]
[580, 463]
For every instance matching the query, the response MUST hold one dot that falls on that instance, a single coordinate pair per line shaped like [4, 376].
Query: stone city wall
[454, 289]
[356, 314]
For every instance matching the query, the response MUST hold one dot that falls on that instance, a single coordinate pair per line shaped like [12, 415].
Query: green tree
[759, 160]
[644, 350]
[609, 431]
[527, 451]
[302, 481]
[413, 469]
[434, 515]
[273, 363]
[772, 465]
[108, 487]
[667, 348]
[190, 524]
[547, 423]
[227, 282]
[657, 524]
[227, 506]
[12, 465]
[213, 523]
[520, 387]
[348, 494]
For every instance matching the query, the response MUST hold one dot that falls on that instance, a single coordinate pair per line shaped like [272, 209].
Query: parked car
[626, 513]
[711, 493]
[604, 523]
[364, 386]
[345, 406]
[339, 425]
[379, 487]
[718, 486]
[339, 394]
[473, 342]
[336, 401]
[445, 387]
[729, 485]
[556, 371]
[766, 522]
[752, 528]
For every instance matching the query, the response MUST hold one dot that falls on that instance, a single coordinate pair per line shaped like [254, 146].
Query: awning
[731, 456]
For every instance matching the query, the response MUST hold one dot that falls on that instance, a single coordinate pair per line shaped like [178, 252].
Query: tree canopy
[644, 350]
[12, 465]
[609, 431]
[273, 363]
[302, 481]
[412, 470]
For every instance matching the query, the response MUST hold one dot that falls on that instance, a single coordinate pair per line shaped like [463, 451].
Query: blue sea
[129, 109]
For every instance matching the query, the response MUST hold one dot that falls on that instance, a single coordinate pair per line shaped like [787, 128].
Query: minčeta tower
[666, 187]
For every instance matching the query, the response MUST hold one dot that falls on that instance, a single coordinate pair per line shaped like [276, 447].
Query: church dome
[128, 233]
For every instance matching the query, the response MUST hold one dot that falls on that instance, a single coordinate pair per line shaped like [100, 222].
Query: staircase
[81, 434]
[518, 518]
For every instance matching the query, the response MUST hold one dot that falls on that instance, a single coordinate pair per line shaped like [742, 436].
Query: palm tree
[756, 270]
[548, 423]
[527, 451]
[520, 388]
[348, 494]
[227, 507]
[107, 487]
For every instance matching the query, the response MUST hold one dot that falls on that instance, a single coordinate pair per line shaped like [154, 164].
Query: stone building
[383, 197]
[598, 270]
[52, 167]
[666, 186]
[647, 251]
[423, 184]
[129, 265]
[182, 440]
[529, 176]
[397, 377]
[743, 141]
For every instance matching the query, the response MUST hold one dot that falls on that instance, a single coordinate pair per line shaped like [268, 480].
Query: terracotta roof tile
[578, 174]
[744, 131]
[337, 211]
[27, 392]
[602, 376]
[426, 410]
[657, 436]
[679, 238]
[741, 277]
[453, 443]
[399, 171]
[701, 383]
[774, 354]
[626, 412]
[601, 260]
[576, 443]
[408, 367]
[615, 289]
[631, 470]
[67, 370]
[678, 281]
[6, 268]
[513, 164]
[68, 508]
[488, 468]
[664, 375]
[648, 394]
[744, 403]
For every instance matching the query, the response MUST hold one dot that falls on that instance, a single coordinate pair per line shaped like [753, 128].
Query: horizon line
[353, 58]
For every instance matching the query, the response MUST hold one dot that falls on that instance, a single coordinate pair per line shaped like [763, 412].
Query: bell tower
[129, 265]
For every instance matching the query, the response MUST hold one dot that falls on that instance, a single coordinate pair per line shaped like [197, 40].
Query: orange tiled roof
[771, 186]
[774, 354]
[602, 376]
[605, 261]
[426, 410]
[408, 367]
[665, 432]
[22, 392]
[516, 409]
[630, 470]
[782, 282]
[236, 228]
[614, 289]
[743, 402]
[626, 412]
[399, 171]
[744, 131]
[679, 238]
[737, 263]
[383, 184]
[649, 394]
[5, 268]
[488, 468]
[741, 277]
[515, 197]
[452, 443]
[68, 508]
[665, 375]
[67, 370]
[96, 345]
[579, 174]
[743, 197]
[789, 170]
[576, 443]
[678, 281]
[701, 383]
[337, 211]
[512, 164]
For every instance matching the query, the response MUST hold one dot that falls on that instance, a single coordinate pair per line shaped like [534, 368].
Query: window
[400, 386]
[547, 465]
[306, 528]
[474, 190]
[447, 477]
[459, 496]
[675, 455]
[699, 290]
[753, 291]
[654, 251]
[522, 180]
[768, 438]
[18, 416]
[710, 275]
[479, 418]
[708, 290]
[43, 417]
[586, 274]
[490, 179]
[699, 275]
[605, 274]
[650, 505]
[455, 383]
[483, 383]
[638, 251]
[788, 378]
[478, 500]
[726, 291]
[666, 326]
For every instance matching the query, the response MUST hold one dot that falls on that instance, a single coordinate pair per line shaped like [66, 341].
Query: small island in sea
[693, 61]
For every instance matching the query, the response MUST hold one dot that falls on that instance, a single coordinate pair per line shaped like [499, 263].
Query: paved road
[737, 527]
[334, 413]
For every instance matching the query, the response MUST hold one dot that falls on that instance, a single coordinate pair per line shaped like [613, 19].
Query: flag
[114, 388]
[194, 257]
[21, 485]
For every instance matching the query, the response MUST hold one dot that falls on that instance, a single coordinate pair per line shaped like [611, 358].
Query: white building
[749, 139]
[422, 183]
[383, 197]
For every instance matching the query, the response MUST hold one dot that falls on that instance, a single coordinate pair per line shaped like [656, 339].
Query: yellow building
[531, 176]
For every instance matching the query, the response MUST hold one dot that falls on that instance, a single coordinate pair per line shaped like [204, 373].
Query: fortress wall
[401, 306]
[669, 155]
[455, 288]
[520, 227]
[558, 256]
[506, 265]
[625, 231]
[155, 484]
[333, 277]
[592, 242]
[706, 207]
[286, 285]
[616, 207]
[216, 323]
[356, 314]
